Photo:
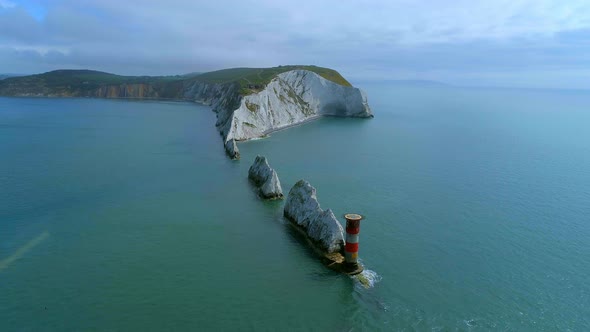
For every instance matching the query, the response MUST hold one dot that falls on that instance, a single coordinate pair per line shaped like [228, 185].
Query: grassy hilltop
[252, 79]
[86, 83]
[80, 83]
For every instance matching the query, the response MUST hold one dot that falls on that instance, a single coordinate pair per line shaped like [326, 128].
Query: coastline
[310, 119]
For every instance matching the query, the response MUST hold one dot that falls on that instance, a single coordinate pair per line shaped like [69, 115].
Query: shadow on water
[323, 274]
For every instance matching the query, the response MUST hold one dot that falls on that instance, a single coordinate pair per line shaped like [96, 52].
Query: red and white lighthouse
[351, 248]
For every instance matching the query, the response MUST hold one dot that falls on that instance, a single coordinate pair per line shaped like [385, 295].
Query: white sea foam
[367, 278]
[256, 138]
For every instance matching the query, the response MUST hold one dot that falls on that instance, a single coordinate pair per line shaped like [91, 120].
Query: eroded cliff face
[161, 90]
[126, 91]
[290, 98]
[220, 96]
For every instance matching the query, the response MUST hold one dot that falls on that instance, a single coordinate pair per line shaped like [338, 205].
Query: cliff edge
[290, 98]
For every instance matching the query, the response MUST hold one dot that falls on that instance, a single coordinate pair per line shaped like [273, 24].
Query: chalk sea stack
[320, 226]
[231, 148]
[265, 178]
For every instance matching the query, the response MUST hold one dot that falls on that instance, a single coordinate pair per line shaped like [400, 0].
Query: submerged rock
[265, 178]
[303, 209]
[231, 148]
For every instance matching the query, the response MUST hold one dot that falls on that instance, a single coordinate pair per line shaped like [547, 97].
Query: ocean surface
[128, 216]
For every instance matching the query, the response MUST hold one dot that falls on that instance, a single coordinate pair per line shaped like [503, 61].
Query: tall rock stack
[265, 178]
[321, 226]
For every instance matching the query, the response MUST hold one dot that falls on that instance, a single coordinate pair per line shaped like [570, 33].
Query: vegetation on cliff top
[254, 79]
[88, 82]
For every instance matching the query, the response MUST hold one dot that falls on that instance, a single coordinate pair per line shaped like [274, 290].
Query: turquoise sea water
[119, 215]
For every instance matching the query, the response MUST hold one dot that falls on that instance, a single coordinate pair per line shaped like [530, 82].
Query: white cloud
[422, 38]
[7, 4]
[402, 21]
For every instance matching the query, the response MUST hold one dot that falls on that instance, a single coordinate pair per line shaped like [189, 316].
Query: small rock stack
[231, 148]
[265, 178]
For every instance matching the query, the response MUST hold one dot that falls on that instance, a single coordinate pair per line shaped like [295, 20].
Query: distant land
[407, 82]
[417, 82]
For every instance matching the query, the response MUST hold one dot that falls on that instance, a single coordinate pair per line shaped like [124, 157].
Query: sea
[120, 215]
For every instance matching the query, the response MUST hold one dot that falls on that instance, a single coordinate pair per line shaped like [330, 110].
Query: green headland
[91, 83]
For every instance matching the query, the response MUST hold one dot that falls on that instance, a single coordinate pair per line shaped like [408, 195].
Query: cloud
[363, 39]
[7, 4]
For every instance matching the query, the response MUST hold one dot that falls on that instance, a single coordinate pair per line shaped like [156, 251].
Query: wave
[367, 278]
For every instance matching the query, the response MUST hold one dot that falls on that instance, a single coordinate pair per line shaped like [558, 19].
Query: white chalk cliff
[290, 98]
[303, 209]
[265, 178]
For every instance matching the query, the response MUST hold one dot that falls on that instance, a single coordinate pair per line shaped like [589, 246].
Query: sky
[516, 43]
